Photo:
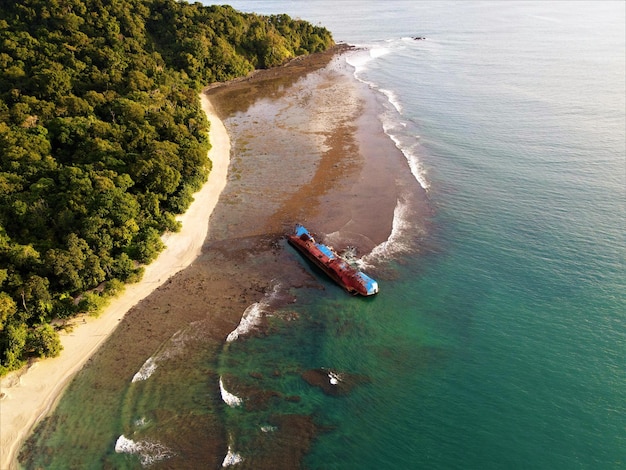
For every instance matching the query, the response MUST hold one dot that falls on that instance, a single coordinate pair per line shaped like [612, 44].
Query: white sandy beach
[29, 395]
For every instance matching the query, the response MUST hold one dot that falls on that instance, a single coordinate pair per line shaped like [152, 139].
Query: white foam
[230, 399]
[365, 54]
[393, 99]
[393, 245]
[141, 422]
[349, 254]
[268, 428]
[379, 51]
[232, 458]
[147, 369]
[124, 445]
[418, 172]
[391, 120]
[149, 452]
[358, 60]
[334, 378]
[173, 347]
[252, 316]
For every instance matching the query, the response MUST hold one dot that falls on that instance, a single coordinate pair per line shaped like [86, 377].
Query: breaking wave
[392, 97]
[171, 348]
[148, 452]
[232, 458]
[396, 243]
[230, 399]
[405, 142]
[365, 54]
[251, 318]
[147, 369]
[253, 315]
[393, 121]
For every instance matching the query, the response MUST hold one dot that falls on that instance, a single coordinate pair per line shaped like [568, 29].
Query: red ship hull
[352, 280]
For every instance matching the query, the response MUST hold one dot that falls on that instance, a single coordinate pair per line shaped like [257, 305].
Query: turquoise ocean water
[498, 341]
[504, 347]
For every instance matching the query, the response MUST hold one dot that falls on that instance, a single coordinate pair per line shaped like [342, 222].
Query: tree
[8, 308]
[51, 80]
[12, 342]
[44, 341]
[36, 298]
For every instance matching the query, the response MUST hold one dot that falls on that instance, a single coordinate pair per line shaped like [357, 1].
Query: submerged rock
[332, 382]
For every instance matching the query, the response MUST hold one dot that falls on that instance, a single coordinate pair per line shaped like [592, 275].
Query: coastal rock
[259, 399]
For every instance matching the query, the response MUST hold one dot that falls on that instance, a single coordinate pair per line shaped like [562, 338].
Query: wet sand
[310, 150]
[306, 146]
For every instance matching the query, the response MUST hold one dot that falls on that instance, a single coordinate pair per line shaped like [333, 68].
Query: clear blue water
[501, 341]
[507, 347]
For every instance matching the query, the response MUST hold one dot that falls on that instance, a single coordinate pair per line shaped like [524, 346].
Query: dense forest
[103, 141]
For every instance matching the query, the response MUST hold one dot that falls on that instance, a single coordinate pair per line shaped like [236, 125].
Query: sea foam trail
[232, 458]
[230, 399]
[394, 244]
[408, 145]
[146, 370]
[171, 348]
[392, 120]
[392, 97]
[148, 452]
[366, 53]
[399, 240]
[253, 315]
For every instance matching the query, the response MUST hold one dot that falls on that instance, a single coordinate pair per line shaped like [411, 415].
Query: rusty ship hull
[351, 279]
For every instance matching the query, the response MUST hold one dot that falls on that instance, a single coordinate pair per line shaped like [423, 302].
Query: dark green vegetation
[102, 142]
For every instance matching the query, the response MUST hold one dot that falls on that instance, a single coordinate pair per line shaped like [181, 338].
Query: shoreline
[306, 145]
[30, 394]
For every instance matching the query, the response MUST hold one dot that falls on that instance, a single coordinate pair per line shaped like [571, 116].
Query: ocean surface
[499, 340]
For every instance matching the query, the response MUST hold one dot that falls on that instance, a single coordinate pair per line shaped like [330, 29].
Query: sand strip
[29, 395]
